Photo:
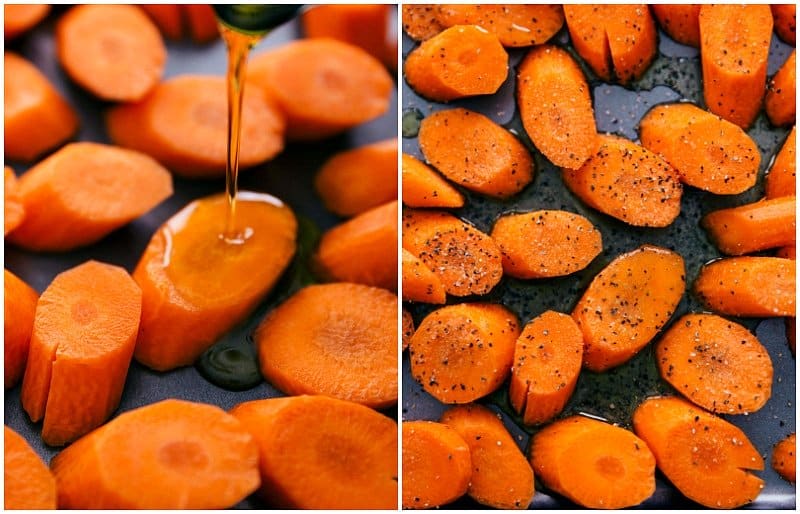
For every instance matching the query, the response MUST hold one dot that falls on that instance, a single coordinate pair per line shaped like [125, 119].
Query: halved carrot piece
[707, 151]
[463, 352]
[547, 361]
[322, 453]
[784, 458]
[363, 25]
[627, 304]
[475, 152]
[81, 346]
[421, 21]
[202, 22]
[628, 182]
[13, 208]
[20, 18]
[779, 102]
[748, 286]
[19, 306]
[785, 21]
[501, 476]
[546, 243]
[183, 124]
[173, 454]
[167, 17]
[734, 45]
[28, 483]
[466, 260]
[680, 21]
[716, 364]
[514, 24]
[753, 227]
[195, 286]
[408, 328]
[420, 283]
[83, 192]
[36, 118]
[781, 179]
[594, 464]
[423, 187]
[705, 457]
[436, 465]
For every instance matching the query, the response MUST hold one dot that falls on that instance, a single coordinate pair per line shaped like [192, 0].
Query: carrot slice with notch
[420, 283]
[514, 24]
[680, 21]
[785, 20]
[781, 179]
[19, 306]
[779, 103]
[28, 483]
[753, 227]
[421, 21]
[20, 18]
[363, 25]
[784, 458]
[13, 208]
[423, 187]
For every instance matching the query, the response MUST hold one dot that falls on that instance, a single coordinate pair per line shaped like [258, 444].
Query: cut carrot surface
[781, 179]
[780, 102]
[363, 25]
[18, 19]
[167, 17]
[19, 306]
[202, 23]
[514, 24]
[420, 283]
[785, 21]
[784, 458]
[421, 21]
[28, 484]
[423, 187]
[408, 328]
[753, 227]
[13, 208]
[680, 21]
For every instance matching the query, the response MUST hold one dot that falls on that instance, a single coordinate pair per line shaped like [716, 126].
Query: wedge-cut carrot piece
[734, 44]
[173, 454]
[362, 249]
[408, 328]
[323, 453]
[785, 21]
[544, 244]
[779, 103]
[36, 118]
[13, 208]
[784, 458]
[420, 283]
[421, 21]
[20, 18]
[514, 24]
[753, 227]
[628, 182]
[707, 151]
[466, 260]
[436, 465]
[594, 464]
[501, 476]
[680, 21]
[360, 179]
[715, 363]
[339, 340]
[19, 306]
[463, 352]
[363, 25]
[781, 179]
[167, 17]
[83, 192]
[423, 187]
[202, 23]
[627, 304]
[705, 457]
[748, 286]
[475, 152]
[787, 252]
[547, 361]
[28, 483]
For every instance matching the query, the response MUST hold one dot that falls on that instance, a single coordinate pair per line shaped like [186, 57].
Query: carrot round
[781, 179]
[475, 152]
[628, 182]
[423, 187]
[680, 21]
[734, 44]
[13, 208]
[420, 283]
[28, 483]
[173, 454]
[408, 328]
[202, 23]
[421, 21]
[436, 465]
[707, 151]
[779, 102]
[514, 24]
[785, 21]
[466, 260]
[784, 458]
[363, 25]
[167, 17]
[753, 227]
[501, 476]
[627, 304]
[20, 18]
[705, 457]
[543, 244]
[19, 306]
[555, 106]
[594, 464]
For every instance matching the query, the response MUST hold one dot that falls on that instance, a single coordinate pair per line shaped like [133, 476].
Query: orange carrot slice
[363, 25]
[779, 102]
[705, 457]
[752, 227]
[420, 284]
[172, 454]
[423, 187]
[784, 458]
[13, 208]
[680, 21]
[18, 19]
[785, 21]
[28, 483]
[514, 24]
[781, 179]
[167, 18]
[19, 306]
[202, 23]
[421, 21]
[408, 328]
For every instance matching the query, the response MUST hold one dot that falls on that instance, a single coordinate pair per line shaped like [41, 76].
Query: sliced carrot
[501, 476]
[514, 24]
[680, 21]
[202, 23]
[781, 179]
[339, 340]
[628, 182]
[707, 151]
[423, 187]
[83, 192]
[19, 304]
[547, 361]
[463, 352]
[167, 17]
[785, 21]
[748, 286]
[183, 124]
[779, 103]
[322, 453]
[475, 152]
[466, 260]
[408, 328]
[362, 249]
[705, 457]
[594, 464]
[752, 227]
[20, 18]
[786, 252]
[322, 86]
[13, 208]
[354, 181]
[28, 483]
[36, 118]
[544, 244]
[627, 304]
[784, 458]
[436, 465]
[734, 44]
[195, 286]
[363, 25]
[173, 454]
[421, 21]
[420, 283]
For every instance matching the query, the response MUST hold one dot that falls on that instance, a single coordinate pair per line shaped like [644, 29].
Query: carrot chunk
[785, 21]
[421, 21]
[13, 208]
[202, 23]
[781, 91]
[19, 306]
[423, 187]
[514, 24]
[28, 483]
[752, 227]
[781, 179]
[363, 25]
[408, 328]
[705, 457]
[420, 284]
[784, 458]
[20, 18]
[680, 21]
[167, 17]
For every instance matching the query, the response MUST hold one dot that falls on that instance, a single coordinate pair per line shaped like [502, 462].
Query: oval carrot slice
[501, 476]
[514, 24]
[19, 306]
[363, 25]
[543, 244]
[594, 464]
[779, 102]
[475, 153]
[680, 21]
[199, 456]
[753, 227]
[408, 328]
[420, 283]
[421, 21]
[423, 187]
[784, 458]
[28, 483]
[13, 208]
[20, 18]
[705, 457]
[167, 17]
[202, 22]
[785, 21]
[781, 179]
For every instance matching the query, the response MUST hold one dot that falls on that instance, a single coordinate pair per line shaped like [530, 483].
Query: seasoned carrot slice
[202, 23]
[28, 483]
[167, 17]
[20, 18]
[779, 103]
[421, 21]
[705, 457]
[19, 306]
[680, 21]
[408, 328]
[423, 187]
[784, 458]
[781, 179]
[752, 227]
[420, 284]
[13, 208]
[785, 21]
[363, 25]
[514, 24]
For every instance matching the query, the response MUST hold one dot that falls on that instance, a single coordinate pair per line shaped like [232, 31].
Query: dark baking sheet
[289, 177]
[674, 75]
